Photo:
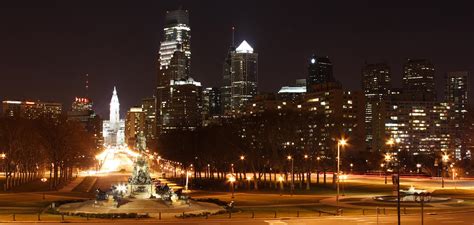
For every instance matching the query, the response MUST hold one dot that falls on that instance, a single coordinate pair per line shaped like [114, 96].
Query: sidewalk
[73, 184]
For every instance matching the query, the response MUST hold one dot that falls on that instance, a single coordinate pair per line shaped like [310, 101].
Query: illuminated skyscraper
[226, 89]
[418, 80]
[244, 75]
[184, 107]
[376, 87]
[174, 63]
[457, 87]
[176, 32]
[319, 72]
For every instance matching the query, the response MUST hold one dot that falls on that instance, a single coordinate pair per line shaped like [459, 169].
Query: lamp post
[381, 168]
[186, 187]
[44, 179]
[4, 156]
[208, 171]
[444, 159]
[340, 144]
[280, 179]
[231, 181]
[292, 175]
[308, 176]
[317, 169]
[391, 142]
[387, 159]
[248, 182]
[242, 158]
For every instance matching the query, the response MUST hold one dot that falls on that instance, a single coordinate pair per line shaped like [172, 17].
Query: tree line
[43, 147]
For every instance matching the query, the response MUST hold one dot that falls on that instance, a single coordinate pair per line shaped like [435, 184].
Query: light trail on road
[114, 159]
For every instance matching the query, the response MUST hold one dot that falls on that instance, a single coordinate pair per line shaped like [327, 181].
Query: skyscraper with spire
[244, 75]
[113, 129]
[226, 89]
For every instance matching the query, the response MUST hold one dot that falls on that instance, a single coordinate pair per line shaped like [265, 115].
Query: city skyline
[96, 50]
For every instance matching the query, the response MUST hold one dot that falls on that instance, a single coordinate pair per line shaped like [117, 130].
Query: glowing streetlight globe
[342, 142]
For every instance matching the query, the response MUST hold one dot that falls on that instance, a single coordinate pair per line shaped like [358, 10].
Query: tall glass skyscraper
[177, 33]
[244, 75]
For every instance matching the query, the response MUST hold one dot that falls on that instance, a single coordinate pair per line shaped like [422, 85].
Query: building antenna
[233, 32]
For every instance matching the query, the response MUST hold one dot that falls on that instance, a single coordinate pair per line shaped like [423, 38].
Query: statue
[141, 142]
[140, 174]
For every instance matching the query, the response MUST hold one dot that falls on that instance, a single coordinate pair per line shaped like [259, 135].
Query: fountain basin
[409, 199]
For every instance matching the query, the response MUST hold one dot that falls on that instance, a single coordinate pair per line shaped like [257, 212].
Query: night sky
[46, 47]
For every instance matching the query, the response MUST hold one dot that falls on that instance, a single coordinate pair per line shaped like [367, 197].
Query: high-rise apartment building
[457, 88]
[376, 86]
[421, 127]
[310, 125]
[418, 80]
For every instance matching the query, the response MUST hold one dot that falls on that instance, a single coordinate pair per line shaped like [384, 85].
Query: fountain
[140, 195]
[411, 195]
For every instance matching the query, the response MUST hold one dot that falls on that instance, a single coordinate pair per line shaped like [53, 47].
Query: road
[465, 218]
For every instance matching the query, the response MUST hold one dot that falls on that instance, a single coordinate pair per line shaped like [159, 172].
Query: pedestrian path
[73, 184]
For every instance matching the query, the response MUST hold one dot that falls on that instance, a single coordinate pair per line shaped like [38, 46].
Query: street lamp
[387, 158]
[317, 169]
[391, 142]
[242, 158]
[208, 170]
[341, 143]
[280, 179]
[231, 181]
[444, 160]
[292, 174]
[308, 177]
[248, 182]
[4, 156]
[44, 179]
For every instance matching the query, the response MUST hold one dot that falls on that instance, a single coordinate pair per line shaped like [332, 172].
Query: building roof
[244, 47]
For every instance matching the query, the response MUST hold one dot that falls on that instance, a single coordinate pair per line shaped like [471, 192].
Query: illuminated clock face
[313, 61]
